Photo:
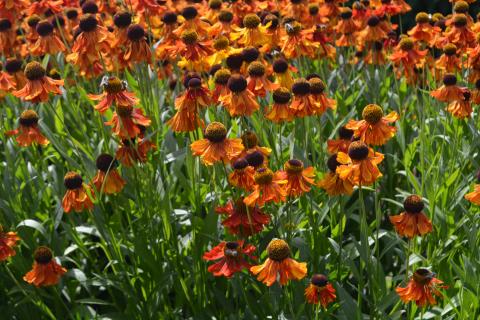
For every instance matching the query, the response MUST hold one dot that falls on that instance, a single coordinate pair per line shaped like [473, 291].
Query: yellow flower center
[372, 113]
[450, 49]
[263, 176]
[278, 250]
[406, 44]
[249, 140]
[34, 71]
[221, 43]
[460, 20]
[293, 166]
[189, 37]
[461, 7]
[281, 95]
[222, 76]
[43, 255]
[28, 118]
[124, 111]
[251, 21]
[422, 17]
[113, 85]
[317, 86]
[256, 69]
[215, 132]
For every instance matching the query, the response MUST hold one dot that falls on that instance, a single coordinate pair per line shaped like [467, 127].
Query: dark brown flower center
[169, 18]
[122, 19]
[89, 7]
[237, 83]
[72, 13]
[33, 20]
[413, 204]
[301, 87]
[34, 71]
[450, 49]
[215, 132]
[373, 21]
[221, 76]
[278, 250]
[346, 14]
[189, 13]
[281, 95]
[358, 150]
[5, 25]
[249, 140]
[72, 180]
[280, 66]
[449, 79]
[231, 249]
[293, 166]
[406, 44]
[135, 32]
[319, 280]
[106, 162]
[234, 61]
[263, 176]
[225, 16]
[88, 23]
[372, 113]
[124, 111]
[113, 85]
[256, 69]
[44, 28]
[423, 276]
[317, 86]
[332, 162]
[28, 118]
[13, 65]
[344, 133]
[189, 37]
[254, 158]
[240, 164]
[43, 255]
[460, 20]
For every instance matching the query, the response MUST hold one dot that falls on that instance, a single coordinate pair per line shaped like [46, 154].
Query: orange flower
[240, 101]
[28, 132]
[135, 150]
[406, 57]
[257, 81]
[282, 73]
[8, 240]
[77, 196]
[7, 83]
[251, 144]
[280, 110]
[449, 61]
[345, 136]
[108, 179]
[373, 32]
[268, 188]
[374, 129]
[38, 85]
[193, 51]
[423, 30]
[461, 108]
[422, 288]
[303, 103]
[459, 32]
[331, 182]
[137, 48]
[220, 79]
[45, 271]
[299, 180]
[346, 28]
[320, 291]
[359, 166]
[114, 91]
[253, 34]
[242, 175]
[42, 6]
[126, 121]
[47, 42]
[191, 20]
[412, 222]
[296, 42]
[317, 90]
[216, 146]
[230, 256]
[7, 36]
[13, 67]
[243, 220]
[449, 91]
[474, 196]
[476, 92]
[280, 263]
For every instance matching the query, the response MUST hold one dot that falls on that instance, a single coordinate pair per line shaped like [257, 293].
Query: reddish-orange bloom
[38, 85]
[406, 57]
[359, 166]
[280, 263]
[412, 222]
[220, 79]
[216, 146]
[114, 92]
[474, 196]
[280, 110]
[449, 91]
[28, 133]
[7, 83]
[242, 175]
[242, 220]
[345, 136]
[108, 179]
[48, 42]
[296, 42]
[373, 32]
[230, 256]
[13, 67]
[78, 194]
[320, 291]
[251, 144]
[461, 108]
[317, 90]
[332, 183]
[240, 101]
[135, 150]
[346, 28]
[268, 188]
[194, 52]
[374, 129]
[460, 33]
[449, 61]
[422, 288]
[299, 179]
[137, 48]
[45, 271]
[257, 81]
[303, 103]
[42, 6]
[126, 121]
[424, 30]
[8, 240]
[283, 75]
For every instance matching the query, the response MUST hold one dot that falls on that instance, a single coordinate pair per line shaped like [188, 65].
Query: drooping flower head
[242, 175]
[268, 188]
[114, 93]
[8, 240]
[474, 196]
[231, 258]
[412, 222]
[422, 288]
[241, 219]
[38, 85]
[345, 136]
[449, 91]
[240, 101]
[45, 271]
[320, 290]
[299, 179]
[108, 179]
[331, 182]
[78, 194]
[280, 110]
[28, 132]
[126, 121]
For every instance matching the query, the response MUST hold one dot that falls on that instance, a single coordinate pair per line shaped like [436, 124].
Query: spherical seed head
[237, 83]
[449, 79]
[281, 95]
[280, 66]
[273, 19]
[293, 28]
[358, 150]
[5, 25]
[461, 7]
[122, 19]
[215, 4]
[194, 83]
[105, 162]
[234, 61]
[317, 85]
[423, 276]
[225, 16]
[44, 28]
[293, 166]
[13, 65]
[89, 7]
[422, 17]
[189, 13]
[251, 21]
[460, 20]
[250, 54]
[263, 176]
[301, 87]
[373, 21]
[256, 69]
[221, 43]
[313, 9]
[88, 23]
[240, 164]
[188, 76]
[28, 118]
[406, 44]
[344, 133]
[254, 158]
[450, 49]
[71, 13]
[215, 132]
[169, 18]
[249, 140]
[332, 163]
[113, 85]
[278, 250]
[135, 32]
[72, 180]
[413, 204]
[57, 21]
[372, 113]
[34, 71]
[221, 76]
[189, 37]
[214, 68]
[319, 280]
[124, 111]
[231, 249]
[33, 20]
[43, 255]
[346, 13]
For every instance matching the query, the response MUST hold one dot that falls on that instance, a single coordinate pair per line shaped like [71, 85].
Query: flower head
[422, 288]
[77, 196]
[412, 221]
[320, 290]
[230, 258]
[8, 240]
[45, 271]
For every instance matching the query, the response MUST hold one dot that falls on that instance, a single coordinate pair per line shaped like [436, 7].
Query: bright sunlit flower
[231, 258]
[422, 288]
[45, 271]
[412, 222]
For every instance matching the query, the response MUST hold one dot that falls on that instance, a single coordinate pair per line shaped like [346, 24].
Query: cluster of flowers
[237, 55]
